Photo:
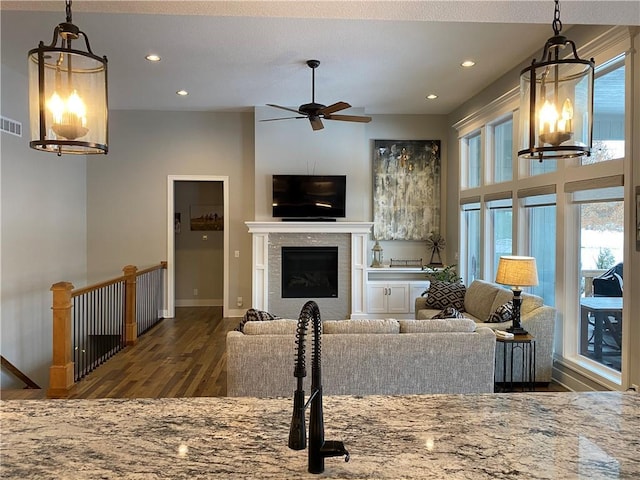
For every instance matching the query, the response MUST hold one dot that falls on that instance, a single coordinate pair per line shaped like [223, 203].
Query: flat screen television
[309, 196]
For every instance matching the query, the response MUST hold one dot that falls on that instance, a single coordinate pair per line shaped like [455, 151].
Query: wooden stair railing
[61, 372]
[15, 371]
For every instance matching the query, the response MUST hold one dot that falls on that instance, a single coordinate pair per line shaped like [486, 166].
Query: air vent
[10, 126]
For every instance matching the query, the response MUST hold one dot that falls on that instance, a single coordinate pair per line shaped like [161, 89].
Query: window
[502, 151]
[601, 249]
[501, 226]
[540, 227]
[608, 112]
[470, 246]
[538, 168]
[472, 161]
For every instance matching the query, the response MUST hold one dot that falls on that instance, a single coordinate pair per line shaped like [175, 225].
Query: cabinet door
[398, 298]
[377, 298]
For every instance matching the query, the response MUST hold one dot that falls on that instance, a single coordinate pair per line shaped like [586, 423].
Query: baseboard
[232, 313]
[571, 378]
[236, 313]
[200, 302]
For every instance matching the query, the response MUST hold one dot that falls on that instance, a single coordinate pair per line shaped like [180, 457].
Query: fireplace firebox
[309, 272]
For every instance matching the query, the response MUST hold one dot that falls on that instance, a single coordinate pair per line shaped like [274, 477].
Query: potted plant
[446, 274]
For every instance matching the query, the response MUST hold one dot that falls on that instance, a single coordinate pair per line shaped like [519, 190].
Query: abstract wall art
[406, 189]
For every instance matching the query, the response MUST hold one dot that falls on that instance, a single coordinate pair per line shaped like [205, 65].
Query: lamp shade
[517, 271]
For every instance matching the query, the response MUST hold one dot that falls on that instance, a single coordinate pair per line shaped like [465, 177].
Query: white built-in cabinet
[388, 297]
[392, 291]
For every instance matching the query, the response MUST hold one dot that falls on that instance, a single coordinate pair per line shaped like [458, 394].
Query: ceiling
[382, 57]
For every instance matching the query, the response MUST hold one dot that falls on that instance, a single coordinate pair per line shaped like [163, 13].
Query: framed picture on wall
[206, 217]
[406, 189]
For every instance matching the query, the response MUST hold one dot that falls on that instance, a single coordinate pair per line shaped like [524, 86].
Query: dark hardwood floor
[180, 357]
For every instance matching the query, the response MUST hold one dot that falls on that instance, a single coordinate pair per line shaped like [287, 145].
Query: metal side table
[520, 348]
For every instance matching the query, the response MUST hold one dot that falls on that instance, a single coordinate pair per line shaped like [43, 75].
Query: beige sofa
[365, 357]
[483, 298]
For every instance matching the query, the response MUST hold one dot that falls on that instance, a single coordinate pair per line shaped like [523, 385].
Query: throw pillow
[446, 294]
[448, 312]
[503, 313]
[254, 315]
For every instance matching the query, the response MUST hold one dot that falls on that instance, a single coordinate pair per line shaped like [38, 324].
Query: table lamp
[517, 272]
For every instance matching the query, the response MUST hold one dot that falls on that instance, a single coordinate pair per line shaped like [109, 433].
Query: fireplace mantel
[359, 233]
[309, 227]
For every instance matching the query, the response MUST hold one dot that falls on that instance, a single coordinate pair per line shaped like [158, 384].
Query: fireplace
[309, 272]
[351, 238]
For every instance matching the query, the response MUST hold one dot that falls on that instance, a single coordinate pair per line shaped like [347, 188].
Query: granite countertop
[524, 435]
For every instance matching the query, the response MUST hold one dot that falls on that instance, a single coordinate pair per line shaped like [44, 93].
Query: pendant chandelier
[556, 101]
[68, 95]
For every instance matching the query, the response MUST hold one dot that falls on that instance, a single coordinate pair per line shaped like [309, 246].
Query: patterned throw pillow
[254, 315]
[503, 313]
[445, 294]
[448, 312]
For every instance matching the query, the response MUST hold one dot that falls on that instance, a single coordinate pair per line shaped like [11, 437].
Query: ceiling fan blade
[316, 123]
[348, 118]
[336, 107]
[285, 108]
[274, 119]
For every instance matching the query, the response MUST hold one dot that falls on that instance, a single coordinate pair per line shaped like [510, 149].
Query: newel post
[61, 376]
[131, 326]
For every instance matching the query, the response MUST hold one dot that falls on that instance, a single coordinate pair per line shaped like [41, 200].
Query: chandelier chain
[68, 11]
[557, 24]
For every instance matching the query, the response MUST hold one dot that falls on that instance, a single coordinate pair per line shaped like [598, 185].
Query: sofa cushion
[448, 312]
[503, 313]
[281, 326]
[361, 325]
[529, 302]
[446, 294]
[479, 299]
[438, 325]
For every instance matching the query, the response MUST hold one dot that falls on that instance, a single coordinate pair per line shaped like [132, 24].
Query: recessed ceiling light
[153, 57]
[432, 96]
[182, 93]
[468, 63]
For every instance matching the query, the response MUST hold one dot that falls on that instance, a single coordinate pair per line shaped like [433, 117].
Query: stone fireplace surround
[352, 241]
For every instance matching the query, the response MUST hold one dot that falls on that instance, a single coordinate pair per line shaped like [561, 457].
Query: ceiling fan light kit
[316, 112]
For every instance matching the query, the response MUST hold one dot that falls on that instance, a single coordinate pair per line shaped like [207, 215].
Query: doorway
[206, 225]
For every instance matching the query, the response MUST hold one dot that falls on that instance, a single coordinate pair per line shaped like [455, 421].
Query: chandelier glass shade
[556, 101]
[68, 95]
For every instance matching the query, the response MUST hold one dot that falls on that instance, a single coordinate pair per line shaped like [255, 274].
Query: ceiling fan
[315, 112]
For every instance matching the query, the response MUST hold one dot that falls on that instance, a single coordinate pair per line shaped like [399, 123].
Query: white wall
[341, 148]
[43, 237]
[127, 189]
[292, 147]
